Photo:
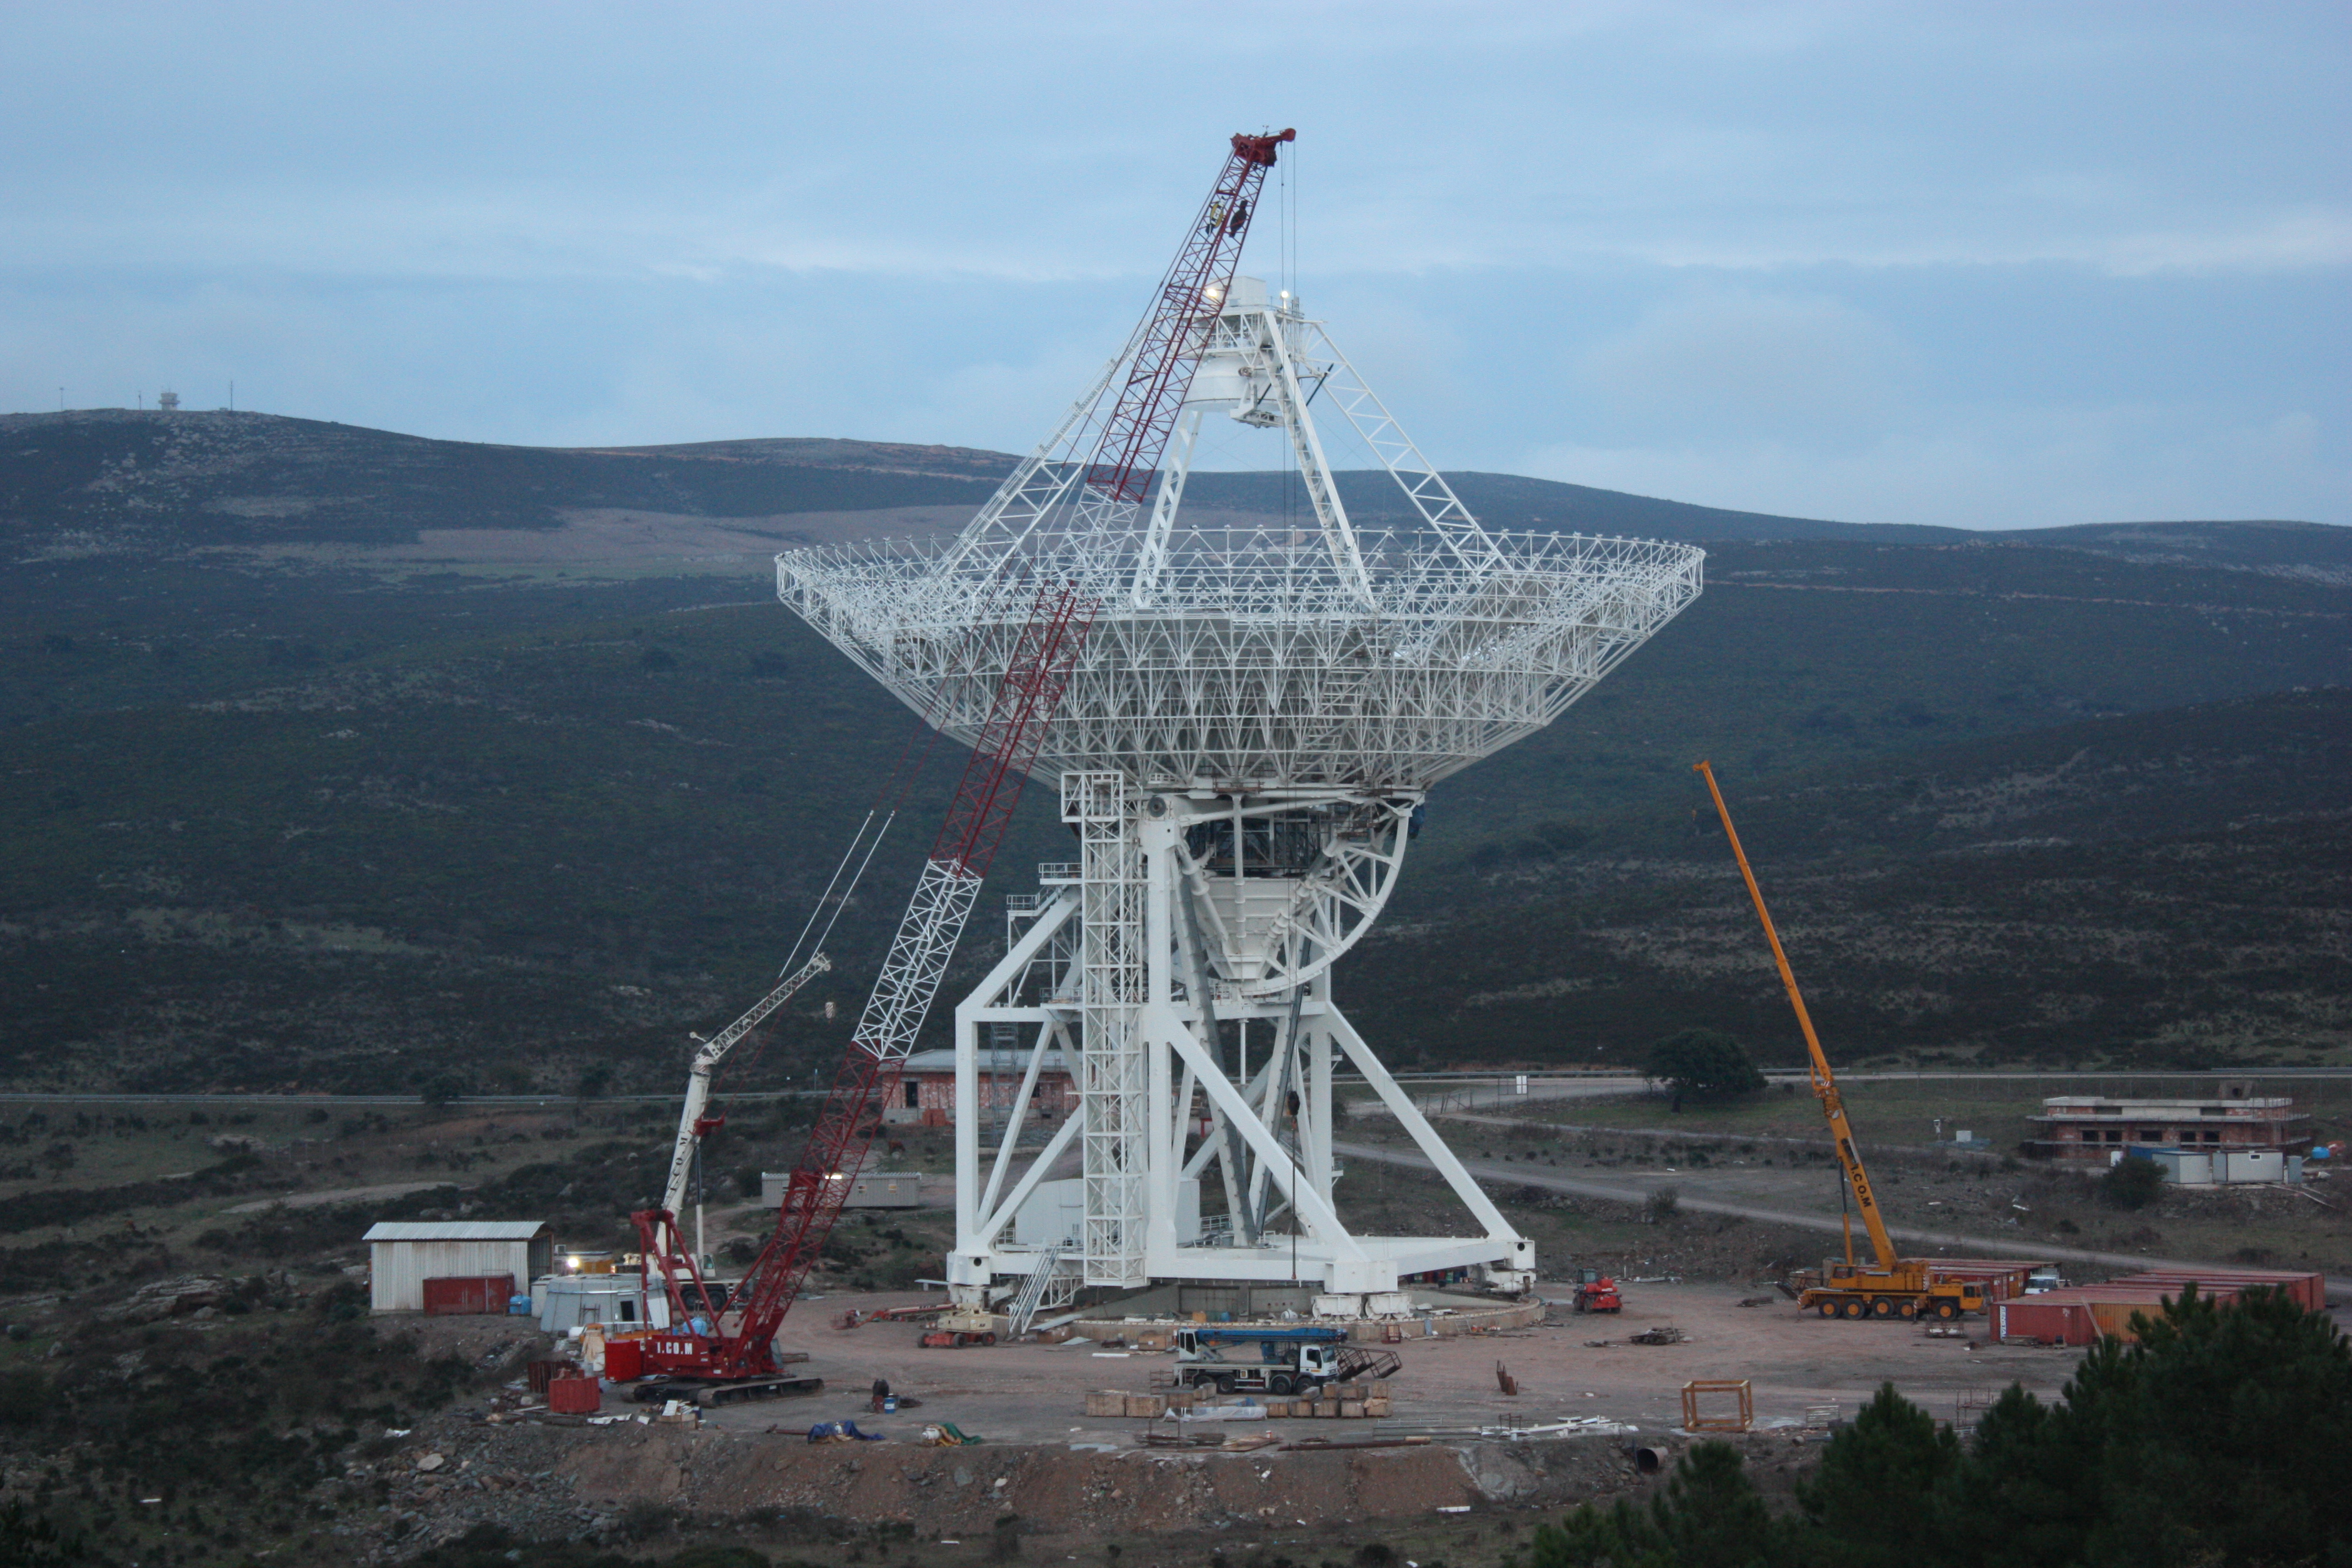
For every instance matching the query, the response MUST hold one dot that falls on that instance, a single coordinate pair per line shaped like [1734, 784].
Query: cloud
[1819, 246]
[1747, 364]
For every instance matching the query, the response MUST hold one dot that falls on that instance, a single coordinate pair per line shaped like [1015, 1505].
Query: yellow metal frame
[1698, 1388]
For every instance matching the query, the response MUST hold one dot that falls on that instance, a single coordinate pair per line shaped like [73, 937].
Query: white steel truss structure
[1243, 749]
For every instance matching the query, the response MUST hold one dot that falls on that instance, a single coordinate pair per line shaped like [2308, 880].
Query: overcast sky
[1989, 264]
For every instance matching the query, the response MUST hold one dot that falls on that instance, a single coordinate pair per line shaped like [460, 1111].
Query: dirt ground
[1032, 1393]
[1070, 1485]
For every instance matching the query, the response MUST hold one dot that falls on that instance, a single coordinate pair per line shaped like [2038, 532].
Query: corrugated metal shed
[404, 1254]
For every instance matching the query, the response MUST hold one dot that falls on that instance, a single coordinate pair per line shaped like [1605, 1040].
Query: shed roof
[457, 1230]
[943, 1060]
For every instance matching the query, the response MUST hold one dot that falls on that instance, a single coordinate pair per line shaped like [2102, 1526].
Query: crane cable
[901, 783]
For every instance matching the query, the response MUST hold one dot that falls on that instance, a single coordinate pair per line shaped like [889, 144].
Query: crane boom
[1825, 1084]
[1190, 294]
[692, 1125]
[1126, 453]
[819, 1183]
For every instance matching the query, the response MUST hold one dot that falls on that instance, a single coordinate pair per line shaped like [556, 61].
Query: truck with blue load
[1243, 1358]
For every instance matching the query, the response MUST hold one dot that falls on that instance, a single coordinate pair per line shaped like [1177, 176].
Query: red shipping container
[468, 1293]
[2002, 1278]
[575, 1396]
[2048, 1317]
[625, 1360]
[2310, 1290]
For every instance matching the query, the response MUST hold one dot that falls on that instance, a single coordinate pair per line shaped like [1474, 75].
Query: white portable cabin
[566, 1301]
[404, 1254]
[2220, 1167]
[871, 1190]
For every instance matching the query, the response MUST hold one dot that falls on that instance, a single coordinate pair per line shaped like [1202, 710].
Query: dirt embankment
[1055, 1489]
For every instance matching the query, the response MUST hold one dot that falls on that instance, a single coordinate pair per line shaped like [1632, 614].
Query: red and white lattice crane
[731, 1355]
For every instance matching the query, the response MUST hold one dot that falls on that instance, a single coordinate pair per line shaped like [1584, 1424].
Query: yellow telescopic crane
[1898, 1287]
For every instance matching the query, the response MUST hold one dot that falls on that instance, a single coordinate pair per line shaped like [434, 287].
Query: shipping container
[2082, 1313]
[2002, 1278]
[2049, 1317]
[2310, 1290]
[445, 1295]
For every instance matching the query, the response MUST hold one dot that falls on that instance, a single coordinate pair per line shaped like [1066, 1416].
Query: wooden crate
[1378, 1405]
[1107, 1402]
[1351, 1409]
[1147, 1406]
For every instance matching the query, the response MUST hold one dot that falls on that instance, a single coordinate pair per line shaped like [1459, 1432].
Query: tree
[2133, 1182]
[1711, 1515]
[2228, 1436]
[1872, 1502]
[1705, 1064]
[1708, 1515]
[2025, 1495]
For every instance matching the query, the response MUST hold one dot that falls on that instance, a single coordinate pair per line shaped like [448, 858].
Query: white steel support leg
[1318, 1091]
[990, 993]
[994, 1220]
[1050, 1036]
[1510, 1243]
[1159, 839]
[1321, 1222]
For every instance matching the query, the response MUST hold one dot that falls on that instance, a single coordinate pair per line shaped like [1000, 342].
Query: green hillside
[2159, 890]
[271, 824]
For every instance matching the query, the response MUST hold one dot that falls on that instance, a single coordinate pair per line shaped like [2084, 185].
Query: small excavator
[1895, 1287]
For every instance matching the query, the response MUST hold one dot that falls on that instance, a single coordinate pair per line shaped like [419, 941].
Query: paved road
[298, 1100]
[1504, 1176]
[1437, 1094]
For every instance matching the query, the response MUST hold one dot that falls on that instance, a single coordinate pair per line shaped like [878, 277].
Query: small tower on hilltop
[167, 402]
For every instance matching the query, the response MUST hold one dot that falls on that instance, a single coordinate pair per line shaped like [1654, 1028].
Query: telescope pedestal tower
[1242, 750]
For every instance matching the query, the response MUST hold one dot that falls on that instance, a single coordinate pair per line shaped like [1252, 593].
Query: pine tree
[1872, 1503]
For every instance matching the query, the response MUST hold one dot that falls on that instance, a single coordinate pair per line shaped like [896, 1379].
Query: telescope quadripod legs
[1179, 973]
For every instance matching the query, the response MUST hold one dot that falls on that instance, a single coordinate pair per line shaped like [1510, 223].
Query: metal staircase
[1033, 1293]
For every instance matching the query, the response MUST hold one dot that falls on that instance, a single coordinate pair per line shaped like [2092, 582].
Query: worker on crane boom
[1898, 1287]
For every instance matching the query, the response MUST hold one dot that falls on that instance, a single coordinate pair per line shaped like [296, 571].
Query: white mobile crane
[693, 1122]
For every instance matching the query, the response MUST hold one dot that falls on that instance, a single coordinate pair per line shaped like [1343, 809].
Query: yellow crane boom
[1825, 1087]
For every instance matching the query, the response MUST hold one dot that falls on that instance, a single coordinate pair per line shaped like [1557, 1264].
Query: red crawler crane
[723, 1364]
[700, 1354]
